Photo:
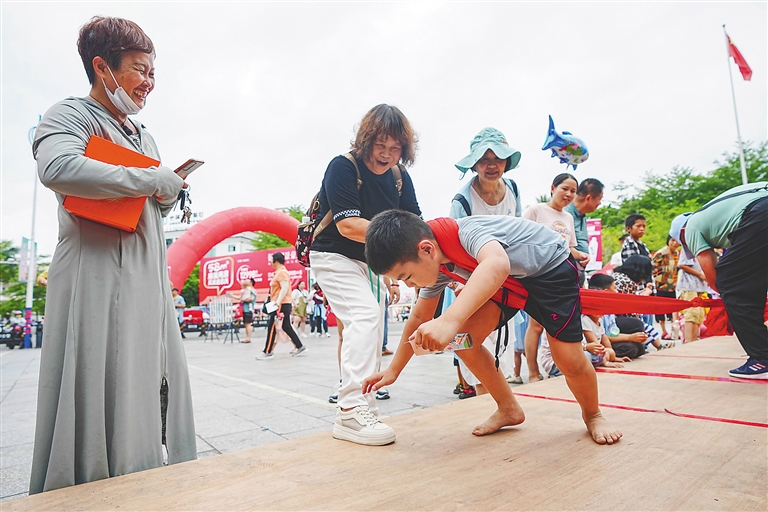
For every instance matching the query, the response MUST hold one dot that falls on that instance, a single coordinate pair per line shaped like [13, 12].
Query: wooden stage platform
[693, 440]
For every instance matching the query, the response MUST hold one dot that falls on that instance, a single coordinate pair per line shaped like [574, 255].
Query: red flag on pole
[746, 71]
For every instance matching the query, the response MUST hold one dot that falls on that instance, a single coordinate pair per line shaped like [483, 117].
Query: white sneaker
[327, 335]
[261, 356]
[361, 426]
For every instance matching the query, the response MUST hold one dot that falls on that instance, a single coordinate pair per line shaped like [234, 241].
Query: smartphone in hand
[187, 168]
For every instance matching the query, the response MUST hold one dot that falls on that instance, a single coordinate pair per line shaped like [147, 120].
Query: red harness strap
[593, 302]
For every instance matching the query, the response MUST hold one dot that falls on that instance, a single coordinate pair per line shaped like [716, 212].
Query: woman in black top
[356, 187]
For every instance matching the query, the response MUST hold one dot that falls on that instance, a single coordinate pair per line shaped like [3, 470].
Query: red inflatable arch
[189, 248]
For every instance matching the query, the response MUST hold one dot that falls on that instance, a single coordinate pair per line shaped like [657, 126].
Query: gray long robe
[111, 334]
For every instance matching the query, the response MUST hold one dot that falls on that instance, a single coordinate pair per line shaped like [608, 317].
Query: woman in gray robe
[112, 345]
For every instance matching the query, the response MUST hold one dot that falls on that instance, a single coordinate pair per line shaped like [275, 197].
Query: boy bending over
[401, 246]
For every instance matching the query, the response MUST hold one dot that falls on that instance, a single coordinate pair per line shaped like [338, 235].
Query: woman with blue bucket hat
[489, 193]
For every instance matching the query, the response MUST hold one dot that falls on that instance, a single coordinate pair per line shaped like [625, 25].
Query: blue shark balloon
[569, 149]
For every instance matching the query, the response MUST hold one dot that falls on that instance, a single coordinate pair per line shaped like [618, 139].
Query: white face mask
[120, 98]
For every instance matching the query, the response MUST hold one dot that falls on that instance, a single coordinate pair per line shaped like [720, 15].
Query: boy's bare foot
[498, 420]
[601, 431]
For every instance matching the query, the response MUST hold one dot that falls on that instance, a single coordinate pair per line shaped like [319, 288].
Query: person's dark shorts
[247, 318]
[668, 316]
[554, 301]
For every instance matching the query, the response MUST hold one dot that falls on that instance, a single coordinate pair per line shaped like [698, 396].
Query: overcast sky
[268, 93]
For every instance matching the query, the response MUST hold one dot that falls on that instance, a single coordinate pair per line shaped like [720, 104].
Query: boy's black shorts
[554, 301]
[247, 318]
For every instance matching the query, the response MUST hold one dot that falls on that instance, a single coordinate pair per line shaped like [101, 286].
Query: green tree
[264, 240]
[191, 289]
[14, 292]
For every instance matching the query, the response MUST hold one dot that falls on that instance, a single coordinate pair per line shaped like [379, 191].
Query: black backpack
[310, 228]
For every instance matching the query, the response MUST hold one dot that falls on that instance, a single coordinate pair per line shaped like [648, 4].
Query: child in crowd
[629, 342]
[597, 344]
[519, 350]
[402, 246]
[691, 283]
[545, 358]
[635, 226]
[634, 277]
[665, 279]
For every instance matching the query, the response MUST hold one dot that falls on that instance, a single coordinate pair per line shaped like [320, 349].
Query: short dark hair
[393, 237]
[590, 187]
[278, 257]
[631, 219]
[637, 267]
[669, 237]
[174, 289]
[110, 38]
[600, 282]
[378, 123]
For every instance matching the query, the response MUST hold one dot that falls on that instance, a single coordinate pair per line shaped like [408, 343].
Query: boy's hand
[378, 380]
[595, 348]
[434, 335]
[638, 337]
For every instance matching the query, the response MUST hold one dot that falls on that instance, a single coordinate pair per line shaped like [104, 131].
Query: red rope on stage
[680, 376]
[722, 420]
[667, 411]
[570, 401]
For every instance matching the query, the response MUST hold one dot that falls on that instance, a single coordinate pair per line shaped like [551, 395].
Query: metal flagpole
[32, 268]
[735, 113]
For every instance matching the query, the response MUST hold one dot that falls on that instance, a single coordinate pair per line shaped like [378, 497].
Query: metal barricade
[222, 318]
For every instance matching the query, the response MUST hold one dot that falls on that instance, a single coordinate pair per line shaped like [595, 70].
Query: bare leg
[582, 381]
[518, 363]
[481, 363]
[248, 331]
[532, 336]
[663, 326]
[464, 384]
[691, 332]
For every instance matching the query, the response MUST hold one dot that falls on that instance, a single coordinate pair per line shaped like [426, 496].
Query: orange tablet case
[121, 213]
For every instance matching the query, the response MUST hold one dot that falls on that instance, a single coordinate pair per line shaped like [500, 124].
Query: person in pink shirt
[551, 214]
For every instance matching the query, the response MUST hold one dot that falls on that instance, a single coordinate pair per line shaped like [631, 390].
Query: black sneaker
[382, 394]
[467, 393]
[753, 369]
[458, 389]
